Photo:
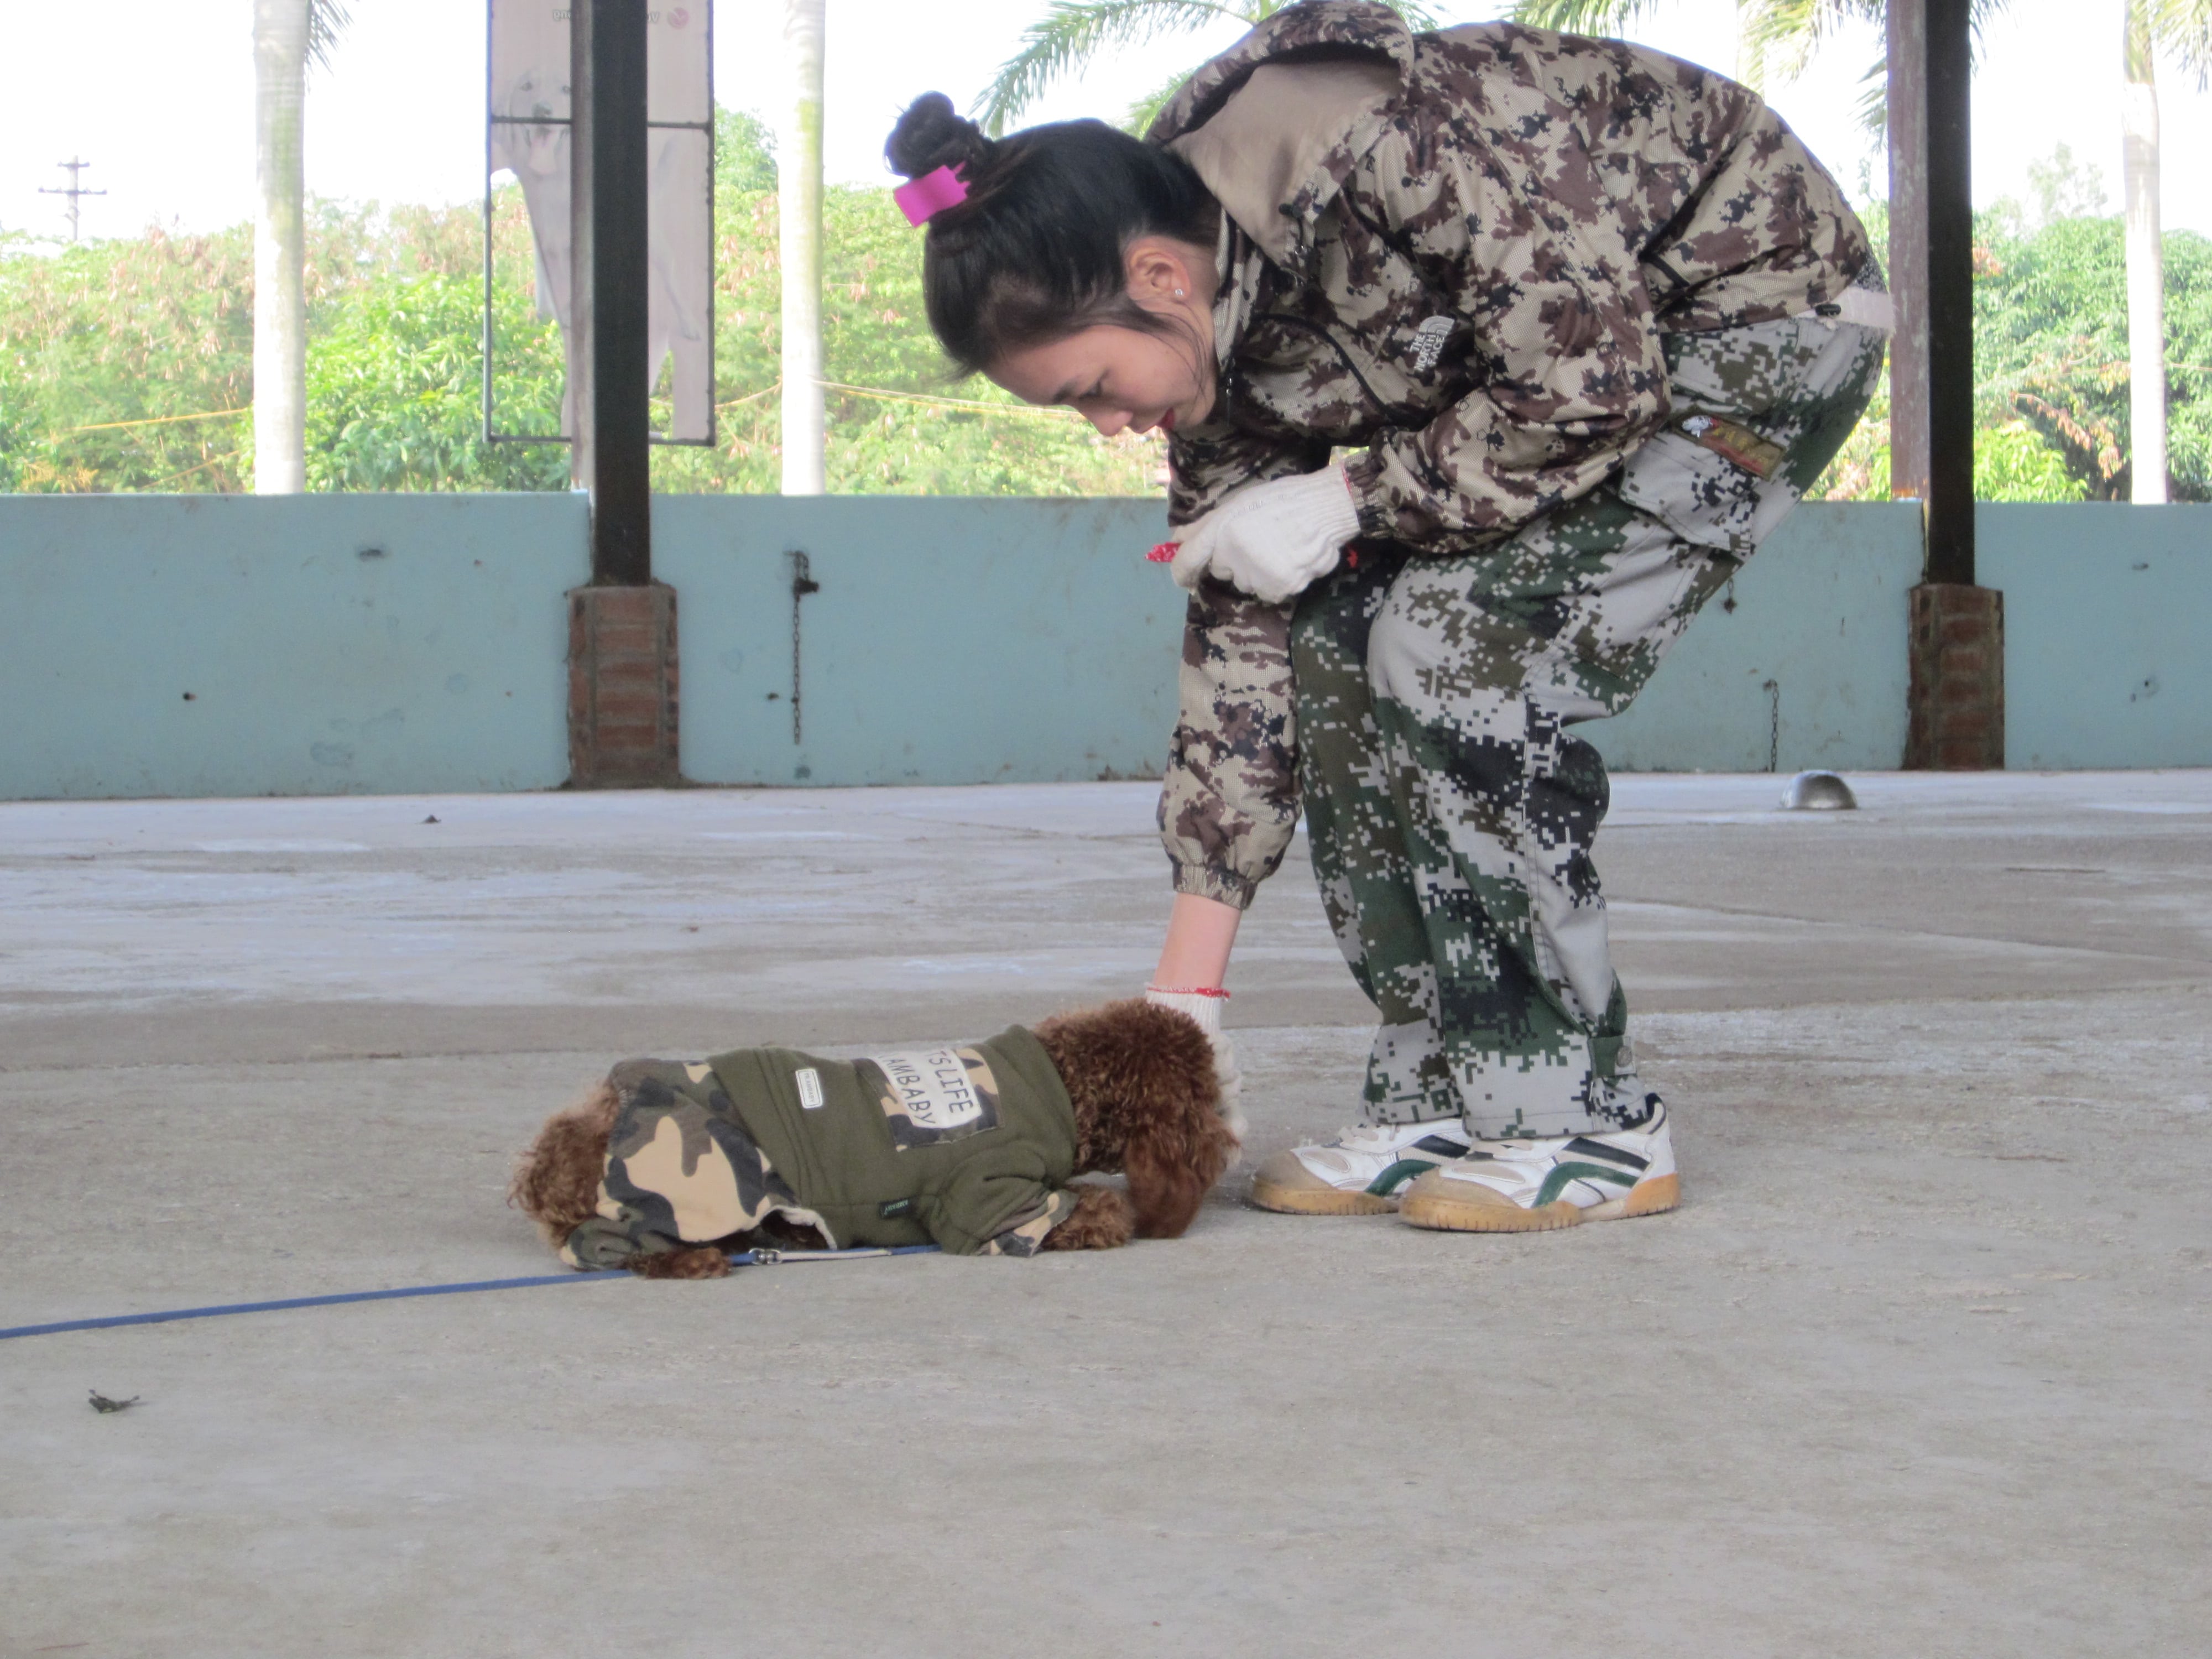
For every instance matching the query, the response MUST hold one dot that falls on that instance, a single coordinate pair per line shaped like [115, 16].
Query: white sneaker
[1531, 1186]
[1361, 1172]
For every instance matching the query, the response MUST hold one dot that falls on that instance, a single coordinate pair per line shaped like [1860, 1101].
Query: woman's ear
[1160, 274]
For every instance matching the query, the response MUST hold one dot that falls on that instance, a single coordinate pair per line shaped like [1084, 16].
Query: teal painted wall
[1809, 667]
[952, 641]
[329, 644]
[385, 643]
[2107, 611]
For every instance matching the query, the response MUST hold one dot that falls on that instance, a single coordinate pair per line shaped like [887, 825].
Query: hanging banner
[528, 116]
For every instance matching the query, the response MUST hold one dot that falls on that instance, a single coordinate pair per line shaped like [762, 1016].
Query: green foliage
[395, 390]
[929, 436]
[126, 364]
[139, 333]
[1072, 33]
[2050, 342]
[2050, 359]
[2065, 188]
[745, 154]
[2014, 463]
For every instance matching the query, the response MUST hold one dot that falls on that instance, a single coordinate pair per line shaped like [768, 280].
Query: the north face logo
[1428, 341]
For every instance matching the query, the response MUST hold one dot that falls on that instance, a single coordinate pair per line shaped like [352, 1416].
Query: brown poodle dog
[1147, 1104]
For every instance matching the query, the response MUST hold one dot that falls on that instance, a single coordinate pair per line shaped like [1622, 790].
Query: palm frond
[1146, 109]
[2182, 30]
[1873, 84]
[1780, 36]
[327, 20]
[1597, 17]
[1073, 32]
[1418, 18]
[1874, 100]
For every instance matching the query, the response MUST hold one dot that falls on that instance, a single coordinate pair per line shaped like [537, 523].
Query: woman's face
[1122, 379]
[1117, 379]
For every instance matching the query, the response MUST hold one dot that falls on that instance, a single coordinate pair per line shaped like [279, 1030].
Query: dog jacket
[968, 1147]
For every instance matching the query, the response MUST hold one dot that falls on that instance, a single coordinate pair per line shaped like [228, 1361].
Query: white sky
[159, 96]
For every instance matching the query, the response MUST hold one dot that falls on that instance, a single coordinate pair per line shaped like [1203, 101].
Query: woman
[1486, 356]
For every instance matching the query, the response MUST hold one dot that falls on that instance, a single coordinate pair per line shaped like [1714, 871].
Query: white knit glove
[1273, 539]
[1206, 1012]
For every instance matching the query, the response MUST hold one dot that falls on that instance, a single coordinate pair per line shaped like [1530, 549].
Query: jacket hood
[1275, 124]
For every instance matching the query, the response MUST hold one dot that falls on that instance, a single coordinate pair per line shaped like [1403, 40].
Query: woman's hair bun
[932, 134]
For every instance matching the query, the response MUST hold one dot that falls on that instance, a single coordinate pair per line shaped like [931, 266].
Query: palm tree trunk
[799, 191]
[2146, 264]
[280, 313]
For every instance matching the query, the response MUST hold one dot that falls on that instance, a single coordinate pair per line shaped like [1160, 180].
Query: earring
[1178, 294]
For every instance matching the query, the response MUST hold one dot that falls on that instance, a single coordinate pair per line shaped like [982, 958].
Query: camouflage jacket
[1457, 253]
[970, 1148]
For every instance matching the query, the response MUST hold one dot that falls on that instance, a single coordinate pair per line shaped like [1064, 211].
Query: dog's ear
[557, 1181]
[1171, 1167]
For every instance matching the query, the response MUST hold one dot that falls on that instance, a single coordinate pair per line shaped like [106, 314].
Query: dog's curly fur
[1148, 1104]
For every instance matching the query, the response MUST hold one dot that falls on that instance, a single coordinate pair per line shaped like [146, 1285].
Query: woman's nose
[1109, 425]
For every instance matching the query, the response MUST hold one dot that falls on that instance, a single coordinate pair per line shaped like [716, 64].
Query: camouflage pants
[1451, 813]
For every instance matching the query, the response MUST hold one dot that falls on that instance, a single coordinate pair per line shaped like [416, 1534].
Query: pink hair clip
[929, 195]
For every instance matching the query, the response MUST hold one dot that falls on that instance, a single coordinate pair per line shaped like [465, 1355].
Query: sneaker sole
[1318, 1199]
[1501, 1215]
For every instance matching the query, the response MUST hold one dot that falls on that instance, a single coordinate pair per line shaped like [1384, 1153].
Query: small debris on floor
[433, 818]
[103, 1405]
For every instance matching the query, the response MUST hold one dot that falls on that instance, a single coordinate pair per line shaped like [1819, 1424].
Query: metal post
[1955, 629]
[608, 201]
[623, 658]
[1950, 306]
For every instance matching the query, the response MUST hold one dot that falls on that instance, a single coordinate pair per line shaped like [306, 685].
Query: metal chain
[802, 584]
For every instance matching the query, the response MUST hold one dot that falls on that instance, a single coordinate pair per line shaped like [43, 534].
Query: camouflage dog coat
[970, 1147]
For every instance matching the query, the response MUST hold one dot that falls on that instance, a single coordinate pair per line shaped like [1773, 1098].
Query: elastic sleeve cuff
[1363, 476]
[1223, 886]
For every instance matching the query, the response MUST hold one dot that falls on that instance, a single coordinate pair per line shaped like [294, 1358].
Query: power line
[74, 189]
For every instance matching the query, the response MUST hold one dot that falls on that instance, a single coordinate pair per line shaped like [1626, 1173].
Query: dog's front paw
[703, 1261]
[1102, 1219]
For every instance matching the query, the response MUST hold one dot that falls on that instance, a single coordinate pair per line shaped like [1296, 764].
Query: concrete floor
[1918, 1369]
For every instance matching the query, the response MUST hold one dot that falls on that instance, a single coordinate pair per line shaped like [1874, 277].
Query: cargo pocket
[1701, 494]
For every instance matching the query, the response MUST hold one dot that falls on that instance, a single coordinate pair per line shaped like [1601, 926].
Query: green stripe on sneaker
[1399, 1174]
[1556, 1182]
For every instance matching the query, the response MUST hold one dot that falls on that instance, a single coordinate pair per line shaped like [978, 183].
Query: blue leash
[738, 1259]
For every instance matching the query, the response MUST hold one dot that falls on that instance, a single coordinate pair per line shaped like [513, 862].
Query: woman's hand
[1273, 540]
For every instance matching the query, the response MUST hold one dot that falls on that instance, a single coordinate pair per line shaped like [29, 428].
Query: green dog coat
[970, 1147]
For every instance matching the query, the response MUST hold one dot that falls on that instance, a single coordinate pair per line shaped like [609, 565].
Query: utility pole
[622, 628]
[1955, 700]
[74, 189]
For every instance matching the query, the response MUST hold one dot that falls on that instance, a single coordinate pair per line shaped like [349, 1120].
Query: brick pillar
[1956, 701]
[621, 688]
